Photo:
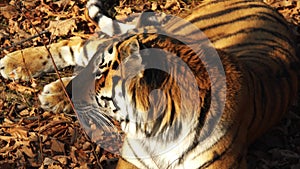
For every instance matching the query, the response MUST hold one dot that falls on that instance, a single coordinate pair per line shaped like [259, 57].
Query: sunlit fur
[257, 52]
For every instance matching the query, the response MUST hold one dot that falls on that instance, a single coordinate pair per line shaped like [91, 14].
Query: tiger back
[261, 40]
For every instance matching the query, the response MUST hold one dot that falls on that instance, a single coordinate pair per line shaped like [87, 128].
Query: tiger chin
[176, 109]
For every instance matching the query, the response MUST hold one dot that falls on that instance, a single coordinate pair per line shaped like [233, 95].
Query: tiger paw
[24, 64]
[53, 98]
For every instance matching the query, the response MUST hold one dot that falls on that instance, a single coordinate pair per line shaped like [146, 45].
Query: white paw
[53, 97]
[22, 64]
[11, 68]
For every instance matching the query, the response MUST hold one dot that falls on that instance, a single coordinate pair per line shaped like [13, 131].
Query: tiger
[167, 117]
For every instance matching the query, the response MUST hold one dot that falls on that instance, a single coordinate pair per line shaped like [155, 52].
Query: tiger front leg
[24, 64]
[31, 62]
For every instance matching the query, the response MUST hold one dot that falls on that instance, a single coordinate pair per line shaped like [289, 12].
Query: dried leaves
[24, 19]
[290, 9]
[21, 89]
[62, 28]
[46, 140]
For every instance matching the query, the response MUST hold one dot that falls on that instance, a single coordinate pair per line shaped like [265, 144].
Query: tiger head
[149, 88]
[153, 84]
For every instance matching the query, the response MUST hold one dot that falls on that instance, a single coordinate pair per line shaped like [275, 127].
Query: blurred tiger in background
[168, 113]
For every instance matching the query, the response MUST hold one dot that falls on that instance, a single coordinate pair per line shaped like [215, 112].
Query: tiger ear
[147, 18]
[134, 47]
[133, 62]
[130, 49]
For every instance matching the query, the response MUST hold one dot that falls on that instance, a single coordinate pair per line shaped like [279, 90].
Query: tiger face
[133, 90]
[130, 82]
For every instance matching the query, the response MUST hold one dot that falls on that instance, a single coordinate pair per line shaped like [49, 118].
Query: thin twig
[59, 77]
[57, 73]
[54, 65]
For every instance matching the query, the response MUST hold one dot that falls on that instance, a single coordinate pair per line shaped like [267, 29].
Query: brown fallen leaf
[62, 27]
[21, 89]
[19, 132]
[9, 11]
[62, 159]
[49, 161]
[28, 151]
[63, 3]
[57, 146]
[1, 104]
[154, 5]
[171, 4]
[14, 27]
